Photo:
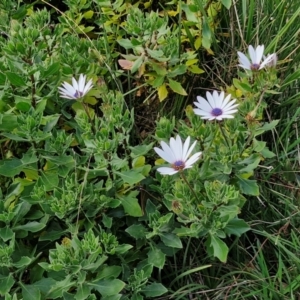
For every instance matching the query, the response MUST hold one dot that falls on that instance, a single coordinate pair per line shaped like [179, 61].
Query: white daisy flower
[177, 154]
[256, 56]
[216, 107]
[78, 88]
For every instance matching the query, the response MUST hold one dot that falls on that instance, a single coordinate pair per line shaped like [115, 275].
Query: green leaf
[56, 290]
[236, 227]
[179, 70]
[131, 205]
[125, 43]
[140, 150]
[266, 127]
[132, 177]
[6, 283]
[217, 248]
[226, 3]
[11, 167]
[30, 292]
[137, 64]
[22, 103]
[171, 240]
[8, 122]
[109, 272]
[15, 79]
[83, 291]
[24, 261]
[266, 153]
[251, 163]
[114, 297]
[50, 122]
[6, 233]
[138, 231]
[108, 287]
[176, 87]
[121, 249]
[248, 187]
[2, 78]
[44, 284]
[52, 69]
[48, 181]
[154, 290]
[157, 258]
[31, 226]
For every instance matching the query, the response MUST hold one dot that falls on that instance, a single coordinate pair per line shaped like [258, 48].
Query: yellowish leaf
[198, 43]
[138, 162]
[195, 70]
[191, 62]
[162, 92]
[159, 162]
[88, 14]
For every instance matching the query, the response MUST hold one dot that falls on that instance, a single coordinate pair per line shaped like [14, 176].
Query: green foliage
[83, 212]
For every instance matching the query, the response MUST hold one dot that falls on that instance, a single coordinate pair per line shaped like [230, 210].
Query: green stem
[89, 116]
[224, 135]
[192, 190]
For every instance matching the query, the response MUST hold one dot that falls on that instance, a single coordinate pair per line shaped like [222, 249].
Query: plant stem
[89, 116]
[185, 180]
[224, 135]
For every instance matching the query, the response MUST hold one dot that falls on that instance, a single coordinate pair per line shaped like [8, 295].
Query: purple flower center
[178, 165]
[255, 67]
[78, 94]
[217, 112]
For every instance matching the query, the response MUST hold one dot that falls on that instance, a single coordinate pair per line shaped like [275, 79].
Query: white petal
[185, 148]
[176, 147]
[203, 104]
[200, 112]
[81, 82]
[226, 116]
[88, 86]
[193, 159]
[164, 155]
[259, 53]
[230, 105]
[218, 97]
[190, 151]
[266, 61]
[69, 88]
[75, 84]
[252, 54]
[225, 101]
[167, 171]
[229, 112]
[210, 99]
[244, 61]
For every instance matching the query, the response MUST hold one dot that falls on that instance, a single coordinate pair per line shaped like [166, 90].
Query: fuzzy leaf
[154, 290]
[138, 231]
[226, 3]
[157, 258]
[248, 187]
[236, 227]
[162, 92]
[171, 240]
[176, 87]
[132, 177]
[107, 287]
[15, 79]
[6, 282]
[131, 205]
[217, 248]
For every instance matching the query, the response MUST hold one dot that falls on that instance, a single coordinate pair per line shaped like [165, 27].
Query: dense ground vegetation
[119, 180]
